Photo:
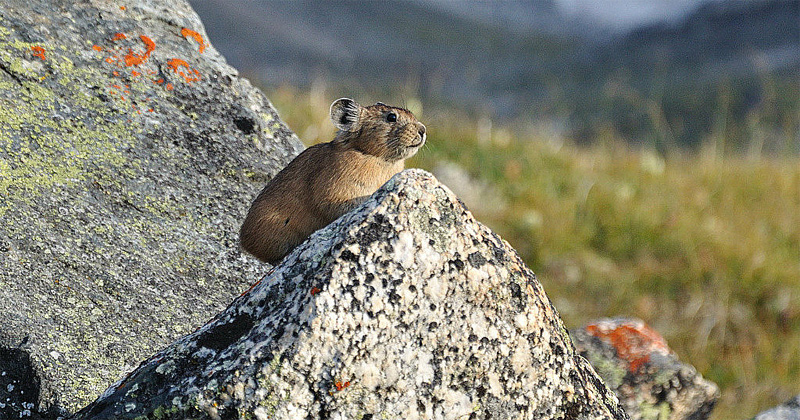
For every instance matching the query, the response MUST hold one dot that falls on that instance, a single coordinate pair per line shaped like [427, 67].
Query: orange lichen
[132, 58]
[38, 51]
[633, 341]
[191, 75]
[135, 59]
[340, 386]
[151, 46]
[122, 8]
[177, 62]
[186, 32]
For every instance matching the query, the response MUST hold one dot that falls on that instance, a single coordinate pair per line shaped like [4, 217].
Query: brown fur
[329, 179]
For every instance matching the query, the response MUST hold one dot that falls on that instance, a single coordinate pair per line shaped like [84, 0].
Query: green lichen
[663, 377]
[47, 144]
[612, 373]
[660, 411]
[58, 131]
[162, 412]
[272, 399]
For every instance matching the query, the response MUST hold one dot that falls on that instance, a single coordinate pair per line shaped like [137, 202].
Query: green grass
[704, 248]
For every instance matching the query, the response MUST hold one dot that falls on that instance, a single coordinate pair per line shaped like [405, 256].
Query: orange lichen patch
[38, 51]
[186, 32]
[190, 75]
[633, 341]
[135, 59]
[122, 8]
[177, 62]
[340, 386]
[151, 46]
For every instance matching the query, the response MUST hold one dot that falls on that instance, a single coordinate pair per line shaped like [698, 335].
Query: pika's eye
[391, 117]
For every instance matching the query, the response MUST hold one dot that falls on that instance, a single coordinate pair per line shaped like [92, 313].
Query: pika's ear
[346, 114]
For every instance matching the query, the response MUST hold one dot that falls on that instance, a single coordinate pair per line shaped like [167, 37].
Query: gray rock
[405, 307]
[129, 152]
[650, 381]
[790, 410]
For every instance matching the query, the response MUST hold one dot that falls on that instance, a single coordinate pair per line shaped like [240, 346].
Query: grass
[706, 249]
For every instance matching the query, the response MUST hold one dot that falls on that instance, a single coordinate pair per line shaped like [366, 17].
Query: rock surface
[405, 308]
[129, 152]
[790, 410]
[650, 381]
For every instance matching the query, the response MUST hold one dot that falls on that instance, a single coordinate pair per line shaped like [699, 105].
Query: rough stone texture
[405, 308]
[650, 381]
[790, 410]
[129, 153]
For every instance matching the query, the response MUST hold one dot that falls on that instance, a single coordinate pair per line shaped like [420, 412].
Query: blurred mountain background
[654, 72]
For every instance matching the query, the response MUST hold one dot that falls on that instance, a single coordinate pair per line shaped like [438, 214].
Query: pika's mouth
[419, 143]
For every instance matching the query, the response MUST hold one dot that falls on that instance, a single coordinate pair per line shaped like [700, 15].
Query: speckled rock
[790, 410]
[405, 307]
[129, 153]
[651, 383]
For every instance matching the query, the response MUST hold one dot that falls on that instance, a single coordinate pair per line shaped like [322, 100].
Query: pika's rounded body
[329, 179]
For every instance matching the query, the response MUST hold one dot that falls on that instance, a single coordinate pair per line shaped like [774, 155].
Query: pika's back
[329, 179]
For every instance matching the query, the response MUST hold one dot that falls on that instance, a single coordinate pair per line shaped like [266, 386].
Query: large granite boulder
[129, 153]
[404, 308]
[636, 363]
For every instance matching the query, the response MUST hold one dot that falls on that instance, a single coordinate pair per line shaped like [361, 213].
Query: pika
[329, 179]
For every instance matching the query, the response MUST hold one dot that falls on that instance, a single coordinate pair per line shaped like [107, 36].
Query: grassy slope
[705, 249]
